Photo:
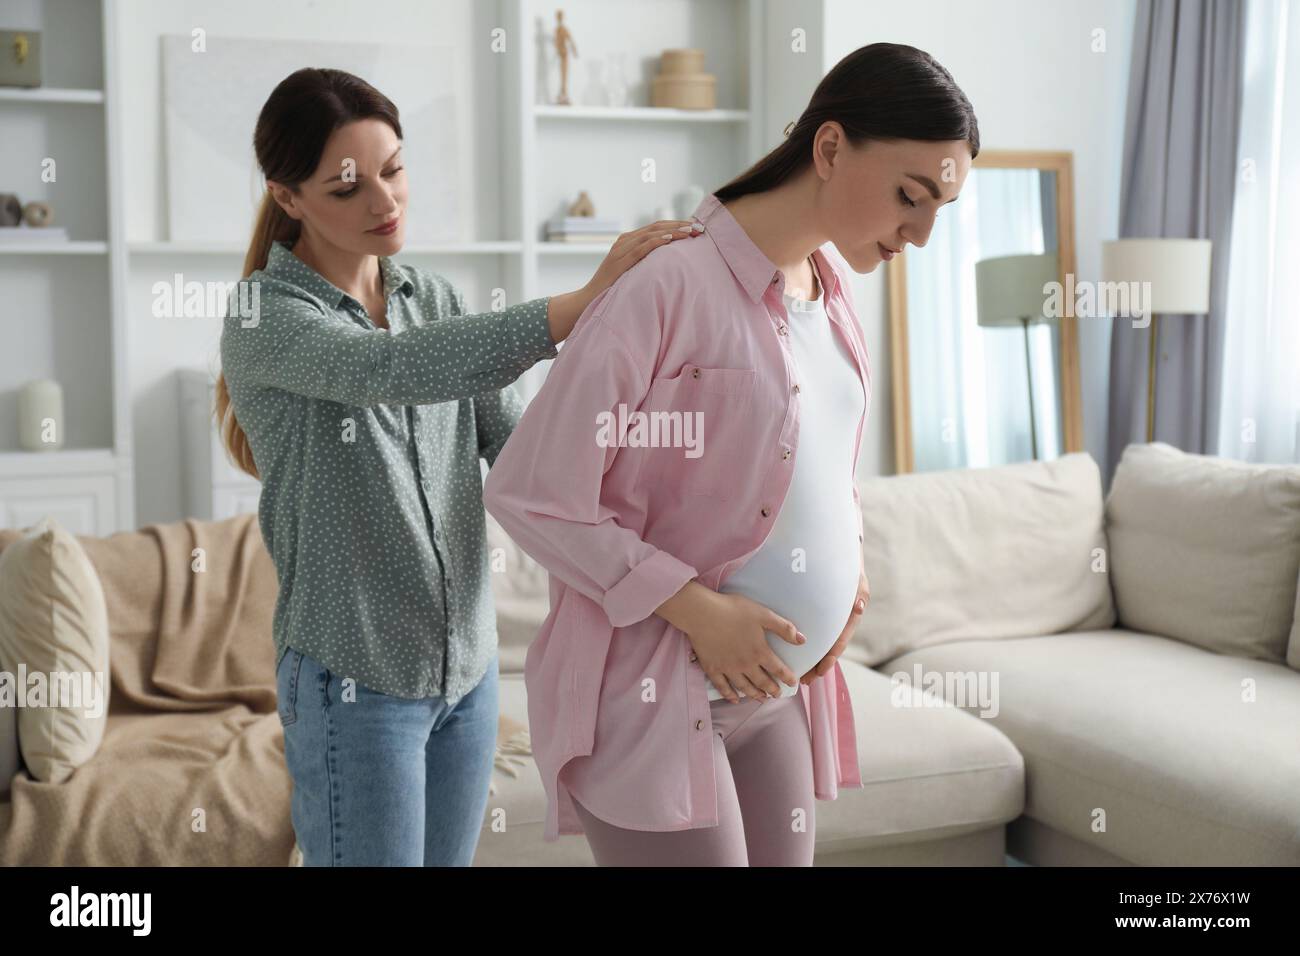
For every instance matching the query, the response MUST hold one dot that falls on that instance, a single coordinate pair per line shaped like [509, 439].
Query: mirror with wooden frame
[985, 362]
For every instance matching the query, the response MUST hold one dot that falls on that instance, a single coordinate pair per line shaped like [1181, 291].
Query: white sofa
[1114, 682]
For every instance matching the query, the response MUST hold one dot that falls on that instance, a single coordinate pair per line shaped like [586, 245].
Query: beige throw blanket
[191, 769]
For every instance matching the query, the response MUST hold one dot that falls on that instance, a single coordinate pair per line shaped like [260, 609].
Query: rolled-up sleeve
[545, 488]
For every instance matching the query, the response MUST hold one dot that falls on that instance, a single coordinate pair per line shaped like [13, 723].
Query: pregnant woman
[686, 474]
[363, 397]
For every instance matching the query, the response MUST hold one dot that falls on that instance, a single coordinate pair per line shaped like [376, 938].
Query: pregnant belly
[817, 600]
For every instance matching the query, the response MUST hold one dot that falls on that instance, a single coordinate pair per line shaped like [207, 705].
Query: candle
[40, 416]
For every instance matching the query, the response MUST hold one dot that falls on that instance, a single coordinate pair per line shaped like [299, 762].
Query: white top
[808, 567]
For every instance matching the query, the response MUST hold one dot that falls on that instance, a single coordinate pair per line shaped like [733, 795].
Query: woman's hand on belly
[859, 605]
[730, 641]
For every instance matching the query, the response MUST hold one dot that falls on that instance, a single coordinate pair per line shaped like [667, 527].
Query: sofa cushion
[1206, 550]
[978, 553]
[928, 769]
[1188, 758]
[53, 639]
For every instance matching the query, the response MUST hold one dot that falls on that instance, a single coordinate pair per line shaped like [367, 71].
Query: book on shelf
[582, 229]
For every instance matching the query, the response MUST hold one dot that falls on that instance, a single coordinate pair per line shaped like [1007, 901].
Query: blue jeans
[381, 780]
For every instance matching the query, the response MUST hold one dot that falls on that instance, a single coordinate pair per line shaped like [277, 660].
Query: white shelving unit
[601, 149]
[533, 159]
[64, 317]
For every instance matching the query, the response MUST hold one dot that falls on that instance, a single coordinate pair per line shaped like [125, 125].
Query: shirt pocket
[700, 429]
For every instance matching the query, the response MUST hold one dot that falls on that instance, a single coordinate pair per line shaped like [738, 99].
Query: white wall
[1028, 69]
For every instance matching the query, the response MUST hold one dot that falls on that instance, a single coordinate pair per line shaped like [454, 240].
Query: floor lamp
[1178, 271]
[1009, 290]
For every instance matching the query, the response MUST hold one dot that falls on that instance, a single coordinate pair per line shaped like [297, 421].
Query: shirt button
[693, 657]
[699, 725]
[695, 373]
[780, 330]
[766, 511]
[796, 387]
[785, 454]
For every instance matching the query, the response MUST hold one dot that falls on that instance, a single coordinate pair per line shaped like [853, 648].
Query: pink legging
[762, 758]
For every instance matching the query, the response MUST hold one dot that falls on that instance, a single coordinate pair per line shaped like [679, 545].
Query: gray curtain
[1178, 177]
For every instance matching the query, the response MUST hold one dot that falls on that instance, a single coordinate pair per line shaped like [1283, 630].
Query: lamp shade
[1009, 289]
[1178, 270]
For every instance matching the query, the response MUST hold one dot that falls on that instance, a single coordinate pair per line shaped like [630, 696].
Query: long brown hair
[295, 123]
[882, 91]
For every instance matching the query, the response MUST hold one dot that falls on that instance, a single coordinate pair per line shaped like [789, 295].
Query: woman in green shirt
[363, 397]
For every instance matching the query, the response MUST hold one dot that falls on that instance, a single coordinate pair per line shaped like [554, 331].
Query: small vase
[616, 89]
[594, 92]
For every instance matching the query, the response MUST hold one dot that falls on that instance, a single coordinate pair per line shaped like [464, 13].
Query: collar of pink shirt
[752, 269]
[698, 325]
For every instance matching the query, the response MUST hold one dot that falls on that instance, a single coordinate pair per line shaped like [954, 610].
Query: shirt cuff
[645, 587]
[536, 327]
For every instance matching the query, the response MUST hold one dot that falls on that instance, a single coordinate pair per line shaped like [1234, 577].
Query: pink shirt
[698, 326]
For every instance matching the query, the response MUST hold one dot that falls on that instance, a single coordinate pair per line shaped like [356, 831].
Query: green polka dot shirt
[368, 443]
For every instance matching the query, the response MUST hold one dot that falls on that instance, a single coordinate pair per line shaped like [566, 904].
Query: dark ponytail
[883, 91]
